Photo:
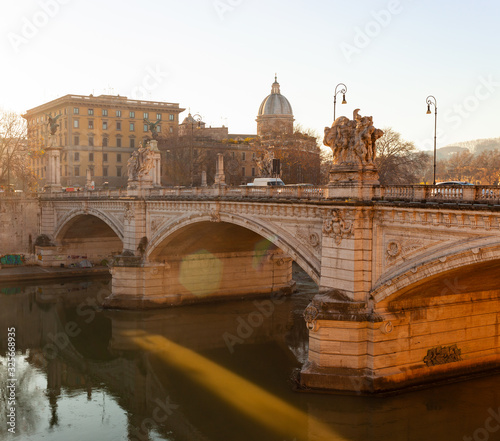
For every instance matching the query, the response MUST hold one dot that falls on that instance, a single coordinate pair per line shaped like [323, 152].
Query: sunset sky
[219, 57]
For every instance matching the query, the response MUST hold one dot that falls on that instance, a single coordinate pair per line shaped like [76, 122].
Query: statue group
[353, 141]
[140, 162]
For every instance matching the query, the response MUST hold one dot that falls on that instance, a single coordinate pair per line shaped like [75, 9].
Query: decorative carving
[335, 226]
[214, 215]
[353, 141]
[310, 314]
[52, 123]
[314, 239]
[393, 249]
[140, 162]
[129, 213]
[309, 236]
[443, 355]
[152, 127]
[402, 248]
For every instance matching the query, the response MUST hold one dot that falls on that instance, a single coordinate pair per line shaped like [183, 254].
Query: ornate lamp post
[431, 100]
[343, 91]
[196, 119]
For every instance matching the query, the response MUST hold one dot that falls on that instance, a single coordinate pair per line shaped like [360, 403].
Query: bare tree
[399, 161]
[14, 160]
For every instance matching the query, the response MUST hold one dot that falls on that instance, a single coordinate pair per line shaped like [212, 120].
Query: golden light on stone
[201, 273]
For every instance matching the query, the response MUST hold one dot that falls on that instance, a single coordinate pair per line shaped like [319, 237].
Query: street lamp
[343, 91]
[431, 100]
[195, 119]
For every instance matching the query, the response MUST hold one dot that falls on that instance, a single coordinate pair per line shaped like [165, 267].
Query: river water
[209, 372]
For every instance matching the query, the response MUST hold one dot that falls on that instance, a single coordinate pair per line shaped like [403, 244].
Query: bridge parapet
[402, 193]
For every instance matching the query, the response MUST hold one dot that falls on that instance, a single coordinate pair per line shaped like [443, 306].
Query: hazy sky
[219, 57]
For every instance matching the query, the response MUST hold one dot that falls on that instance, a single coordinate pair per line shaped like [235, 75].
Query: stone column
[53, 166]
[155, 172]
[220, 177]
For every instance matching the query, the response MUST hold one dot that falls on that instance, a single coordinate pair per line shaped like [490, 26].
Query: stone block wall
[18, 224]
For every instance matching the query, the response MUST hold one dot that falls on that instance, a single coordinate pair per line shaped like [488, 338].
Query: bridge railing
[402, 193]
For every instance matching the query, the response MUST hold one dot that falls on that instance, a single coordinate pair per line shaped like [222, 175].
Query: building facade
[96, 133]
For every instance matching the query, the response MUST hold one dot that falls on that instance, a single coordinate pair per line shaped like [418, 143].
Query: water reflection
[205, 372]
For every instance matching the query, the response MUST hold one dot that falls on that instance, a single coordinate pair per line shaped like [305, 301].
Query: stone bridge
[408, 276]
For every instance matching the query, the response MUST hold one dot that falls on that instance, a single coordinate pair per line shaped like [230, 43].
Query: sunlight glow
[250, 399]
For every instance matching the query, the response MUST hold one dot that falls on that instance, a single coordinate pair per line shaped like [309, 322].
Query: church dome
[275, 104]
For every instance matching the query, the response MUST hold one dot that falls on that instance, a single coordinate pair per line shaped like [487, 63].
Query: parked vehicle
[264, 182]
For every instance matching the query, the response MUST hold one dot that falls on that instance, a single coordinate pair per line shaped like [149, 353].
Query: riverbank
[34, 272]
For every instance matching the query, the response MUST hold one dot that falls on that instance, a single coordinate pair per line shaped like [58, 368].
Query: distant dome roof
[275, 104]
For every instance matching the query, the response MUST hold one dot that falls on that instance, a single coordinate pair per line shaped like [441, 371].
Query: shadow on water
[203, 372]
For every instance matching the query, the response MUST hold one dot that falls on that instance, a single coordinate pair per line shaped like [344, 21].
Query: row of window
[105, 141]
[76, 171]
[118, 114]
[76, 125]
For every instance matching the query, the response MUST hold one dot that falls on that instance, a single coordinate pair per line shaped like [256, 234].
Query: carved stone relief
[336, 226]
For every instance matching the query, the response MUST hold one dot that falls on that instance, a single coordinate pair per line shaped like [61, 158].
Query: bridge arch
[69, 219]
[445, 267]
[278, 237]
[88, 234]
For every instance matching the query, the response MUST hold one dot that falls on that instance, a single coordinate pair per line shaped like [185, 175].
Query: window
[118, 113]
[171, 117]
[171, 130]
[118, 142]
[104, 142]
[132, 127]
[104, 125]
[242, 171]
[105, 171]
[158, 116]
[253, 155]
[131, 114]
[76, 124]
[234, 155]
[104, 157]
[145, 127]
[243, 156]
[104, 112]
[132, 143]
[91, 170]
[158, 129]
[77, 156]
[91, 141]
[76, 110]
[118, 157]
[91, 124]
[76, 140]
[118, 125]
[91, 111]
[77, 171]
[118, 171]
[253, 171]
[91, 157]
[145, 115]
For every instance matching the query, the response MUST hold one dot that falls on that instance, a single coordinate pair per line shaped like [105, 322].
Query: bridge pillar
[199, 277]
[346, 262]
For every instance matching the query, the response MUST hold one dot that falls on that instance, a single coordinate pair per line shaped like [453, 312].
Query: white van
[264, 182]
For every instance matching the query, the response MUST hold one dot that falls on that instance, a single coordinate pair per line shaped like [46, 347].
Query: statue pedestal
[352, 182]
[53, 178]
